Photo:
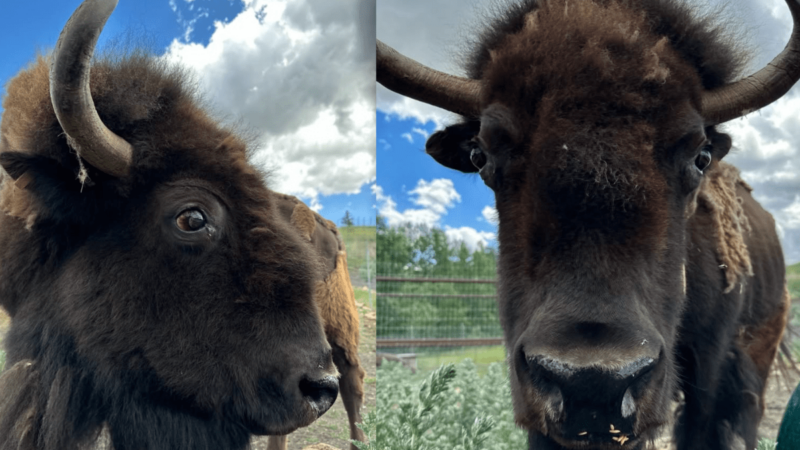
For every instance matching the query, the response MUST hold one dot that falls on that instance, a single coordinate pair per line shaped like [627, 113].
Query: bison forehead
[567, 53]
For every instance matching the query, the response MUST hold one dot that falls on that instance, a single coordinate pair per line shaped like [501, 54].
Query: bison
[160, 292]
[634, 264]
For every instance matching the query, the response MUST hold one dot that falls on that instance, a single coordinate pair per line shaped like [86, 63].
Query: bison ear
[450, 147]
[720, 143]
[303, 219]
[50, 189]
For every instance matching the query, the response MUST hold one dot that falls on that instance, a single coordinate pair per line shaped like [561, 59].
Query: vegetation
[766, 444]
[359, 241]
[450, 408]
[482, 357]
[793, 282]
[428, 309]
[793, 279]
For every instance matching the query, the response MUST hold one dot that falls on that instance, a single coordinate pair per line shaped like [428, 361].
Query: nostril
[320, 393]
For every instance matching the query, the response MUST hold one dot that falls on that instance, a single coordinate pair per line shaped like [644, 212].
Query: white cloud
[791, 214]
[301, 76]
[188, 24]
[437, 195]
[421, 132]
[408, 137]
[489, 214]
[469, 236]
[434, 198]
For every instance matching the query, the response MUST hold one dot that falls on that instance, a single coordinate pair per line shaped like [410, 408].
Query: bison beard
[155, 287]
[633, 262]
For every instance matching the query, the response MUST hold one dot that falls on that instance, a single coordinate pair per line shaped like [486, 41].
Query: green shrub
[450, 408]
[766, 444]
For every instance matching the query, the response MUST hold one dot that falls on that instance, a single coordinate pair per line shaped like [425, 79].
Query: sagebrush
[451, 408]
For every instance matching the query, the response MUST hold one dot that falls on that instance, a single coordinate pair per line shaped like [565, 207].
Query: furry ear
[450, 147]
[41, 188]
[720, 142]
[303, 219]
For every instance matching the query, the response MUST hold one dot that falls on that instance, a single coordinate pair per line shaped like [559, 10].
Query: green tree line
[428, 309]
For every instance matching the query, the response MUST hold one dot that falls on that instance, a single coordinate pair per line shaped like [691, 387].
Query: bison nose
[320, 393]
[592, 399]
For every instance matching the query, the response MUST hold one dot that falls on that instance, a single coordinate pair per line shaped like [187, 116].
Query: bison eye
[703, 159]
[477, 157]
[191, 220]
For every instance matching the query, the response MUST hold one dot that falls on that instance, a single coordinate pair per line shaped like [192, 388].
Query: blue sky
[414, 189]
[766, 143]
[298, 74]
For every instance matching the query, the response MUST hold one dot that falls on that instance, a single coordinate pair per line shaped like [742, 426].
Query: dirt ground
[333, 428]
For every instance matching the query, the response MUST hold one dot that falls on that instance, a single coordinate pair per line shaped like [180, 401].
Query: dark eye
[190, 220]
[477, 157]
[703, 159]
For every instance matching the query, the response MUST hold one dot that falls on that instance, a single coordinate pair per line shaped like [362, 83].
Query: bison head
[594, 124]
[151, 280]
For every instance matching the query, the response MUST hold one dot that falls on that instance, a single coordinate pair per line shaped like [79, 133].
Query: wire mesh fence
[436, 300]
[428, 311]
[361, 252]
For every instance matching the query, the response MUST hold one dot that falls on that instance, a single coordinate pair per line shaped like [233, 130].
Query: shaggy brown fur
[18, 385]
[761, 342]
[718, 195]
[707, 42]
[337, 305]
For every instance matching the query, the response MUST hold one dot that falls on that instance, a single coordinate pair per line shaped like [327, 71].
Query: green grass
[793, 279]
[766, 444]
[482, 357]
[357, 240]
[364, 297]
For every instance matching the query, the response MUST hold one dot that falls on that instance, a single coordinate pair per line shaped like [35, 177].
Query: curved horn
[70, 94]
[763, 87]
[411, 79]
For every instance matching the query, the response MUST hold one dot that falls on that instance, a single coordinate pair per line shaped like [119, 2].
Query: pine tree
[347, 220]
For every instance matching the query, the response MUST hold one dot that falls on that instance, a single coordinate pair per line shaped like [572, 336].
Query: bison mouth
[590, 407]
[599, 440]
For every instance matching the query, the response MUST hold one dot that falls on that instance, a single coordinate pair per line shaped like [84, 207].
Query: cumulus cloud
[471, 237]
[300, 74]
[433, 199]
[435, 26]
[188, 23]
[489, 214]
[767, 151]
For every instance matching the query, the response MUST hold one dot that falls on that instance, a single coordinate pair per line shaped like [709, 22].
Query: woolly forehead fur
[593, 88]
[706, 39]
[153, 106]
